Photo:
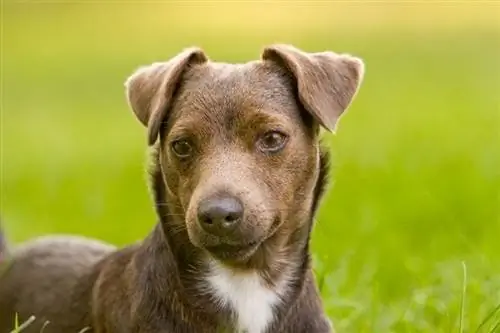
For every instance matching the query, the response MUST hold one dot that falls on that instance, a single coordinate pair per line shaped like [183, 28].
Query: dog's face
[238, 144]
[241, 156]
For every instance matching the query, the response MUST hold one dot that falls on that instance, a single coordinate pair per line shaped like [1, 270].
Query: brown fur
[224, 114]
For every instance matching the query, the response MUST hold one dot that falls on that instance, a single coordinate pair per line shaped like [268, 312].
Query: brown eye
[182, 148]
[272, 142]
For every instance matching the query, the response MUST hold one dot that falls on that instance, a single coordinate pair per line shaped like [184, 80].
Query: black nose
[220, 215]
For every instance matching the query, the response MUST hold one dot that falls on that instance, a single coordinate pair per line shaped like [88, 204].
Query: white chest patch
[248, 296]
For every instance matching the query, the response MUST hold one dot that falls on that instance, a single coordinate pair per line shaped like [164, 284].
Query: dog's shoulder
[117, 289]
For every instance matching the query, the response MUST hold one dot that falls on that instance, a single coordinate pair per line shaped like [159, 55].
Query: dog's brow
[234, 118]
[264, 118]
[181, 130]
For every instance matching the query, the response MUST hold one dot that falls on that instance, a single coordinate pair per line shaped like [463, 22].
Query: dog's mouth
[231, 252]
[274, 227]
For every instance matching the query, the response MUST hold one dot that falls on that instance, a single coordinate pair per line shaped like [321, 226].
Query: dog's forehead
[221, 88]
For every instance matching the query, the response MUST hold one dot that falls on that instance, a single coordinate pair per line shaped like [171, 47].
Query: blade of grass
[20, 328]
[488, 317]
[496, 328]
[44, 325]
[464, 291]
[86, 329]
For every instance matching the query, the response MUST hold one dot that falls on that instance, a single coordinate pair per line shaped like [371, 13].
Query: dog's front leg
[163, 329]
[307, 314]
[163, 324]
[315, 324]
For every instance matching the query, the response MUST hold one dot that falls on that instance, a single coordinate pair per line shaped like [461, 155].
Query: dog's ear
[327, 82]
[150, 89]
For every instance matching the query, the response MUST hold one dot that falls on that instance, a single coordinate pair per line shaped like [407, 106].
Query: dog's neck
[250, 299]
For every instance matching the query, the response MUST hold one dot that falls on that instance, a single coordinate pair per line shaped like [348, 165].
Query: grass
[416, 177]
[18, 328]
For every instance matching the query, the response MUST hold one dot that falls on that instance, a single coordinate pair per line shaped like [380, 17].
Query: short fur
[249, 132]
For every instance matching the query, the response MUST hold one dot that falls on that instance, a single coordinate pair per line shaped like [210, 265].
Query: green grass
[415, 185]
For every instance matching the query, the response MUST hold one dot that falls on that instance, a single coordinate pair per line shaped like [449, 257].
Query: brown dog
[237, 176]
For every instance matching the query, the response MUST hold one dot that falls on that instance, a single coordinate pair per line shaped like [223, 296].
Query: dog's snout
[220, 215]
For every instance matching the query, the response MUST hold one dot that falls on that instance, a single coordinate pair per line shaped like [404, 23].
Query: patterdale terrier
[237, 174]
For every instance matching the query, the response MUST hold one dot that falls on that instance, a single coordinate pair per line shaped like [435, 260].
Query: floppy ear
[150, 89]
[327, 82]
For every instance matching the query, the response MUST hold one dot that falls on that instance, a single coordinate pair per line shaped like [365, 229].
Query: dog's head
[239, 143]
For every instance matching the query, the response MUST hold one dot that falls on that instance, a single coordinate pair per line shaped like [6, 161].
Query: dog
[238, 170]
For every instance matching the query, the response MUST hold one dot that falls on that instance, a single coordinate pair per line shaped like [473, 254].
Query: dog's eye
[272, 142]
[182, 148]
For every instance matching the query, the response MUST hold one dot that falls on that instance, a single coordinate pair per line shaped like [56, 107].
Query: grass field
[415, 193]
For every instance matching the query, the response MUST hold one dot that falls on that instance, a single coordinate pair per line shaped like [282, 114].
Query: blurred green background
[415, 188]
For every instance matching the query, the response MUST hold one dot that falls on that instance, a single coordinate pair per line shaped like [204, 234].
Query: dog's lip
[231, 248]
[233, 253]
[274, 227]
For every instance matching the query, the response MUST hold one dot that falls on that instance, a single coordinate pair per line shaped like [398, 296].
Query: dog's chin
[233, 253]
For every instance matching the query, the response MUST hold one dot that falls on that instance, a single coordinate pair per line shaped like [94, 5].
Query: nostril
[232, 217]
[220, 214]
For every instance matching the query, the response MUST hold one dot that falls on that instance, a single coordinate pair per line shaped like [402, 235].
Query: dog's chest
[250, 299]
